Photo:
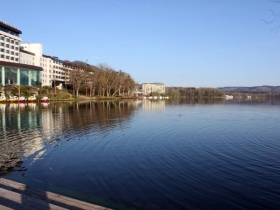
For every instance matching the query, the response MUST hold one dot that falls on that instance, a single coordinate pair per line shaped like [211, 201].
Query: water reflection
[183, 100]
[254, 100]
[153, 105]
[44, 123]
[20, 128]
[28, 128]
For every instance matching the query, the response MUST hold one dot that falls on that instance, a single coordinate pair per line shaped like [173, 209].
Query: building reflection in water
[19, 126]
[31, 129]
[158, 105]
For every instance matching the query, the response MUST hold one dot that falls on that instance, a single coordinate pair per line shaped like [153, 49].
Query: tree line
[191, 92]
[99, 80]
[254, 94]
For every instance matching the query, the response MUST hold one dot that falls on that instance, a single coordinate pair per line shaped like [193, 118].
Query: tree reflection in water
[27, 128]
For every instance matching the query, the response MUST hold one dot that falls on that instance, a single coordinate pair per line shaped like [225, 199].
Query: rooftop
[4, 25]
[27, 52]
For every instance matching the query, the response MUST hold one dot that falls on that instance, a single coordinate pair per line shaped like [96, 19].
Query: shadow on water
[19, 196]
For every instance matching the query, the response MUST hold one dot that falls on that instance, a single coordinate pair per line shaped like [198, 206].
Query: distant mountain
[259, 89]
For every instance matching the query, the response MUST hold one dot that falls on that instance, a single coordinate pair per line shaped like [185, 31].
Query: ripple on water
[192, 157]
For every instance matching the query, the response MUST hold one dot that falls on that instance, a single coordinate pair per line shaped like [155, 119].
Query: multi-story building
[148, 88]
[67, 67]
[53, 68]
[9, 42]
[58, 71]
[12, 72]
[35, 48]
[46, 62]
[26, 57]
[32, 53]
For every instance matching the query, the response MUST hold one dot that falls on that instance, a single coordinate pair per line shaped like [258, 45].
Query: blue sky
[187, 43]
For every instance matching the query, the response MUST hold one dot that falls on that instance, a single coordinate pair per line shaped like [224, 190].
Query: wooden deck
[14, 195]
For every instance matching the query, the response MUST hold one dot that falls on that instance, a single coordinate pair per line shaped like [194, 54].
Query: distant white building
[148, 88]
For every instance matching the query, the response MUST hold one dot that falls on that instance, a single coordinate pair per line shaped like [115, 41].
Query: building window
[12, 47]
[12, 58]
[16, 48]
[7, 57]
[7, 51]
[2, 56]
[12, 53]
[16, 59]
[12, 41]
[2, 38]
[2, 44]
[7, 45]
[2, 50]
[16, 54]
[7, 40]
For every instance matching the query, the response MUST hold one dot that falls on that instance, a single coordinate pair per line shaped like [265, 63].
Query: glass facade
[20, 76]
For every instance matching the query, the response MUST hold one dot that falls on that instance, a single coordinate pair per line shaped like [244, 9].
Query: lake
[184, 154]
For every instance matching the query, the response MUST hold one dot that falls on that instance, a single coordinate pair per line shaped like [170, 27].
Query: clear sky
[187, 43]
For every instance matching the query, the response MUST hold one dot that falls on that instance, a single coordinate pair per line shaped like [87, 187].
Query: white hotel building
[12, 72]
[19, 60]
[53, 71]
[9, 42]
[156, 87]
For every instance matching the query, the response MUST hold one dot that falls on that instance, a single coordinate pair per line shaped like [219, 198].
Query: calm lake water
[148, 154]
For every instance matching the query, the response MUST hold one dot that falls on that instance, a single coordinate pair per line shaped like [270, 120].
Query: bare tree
[101, 80]
[77, 78]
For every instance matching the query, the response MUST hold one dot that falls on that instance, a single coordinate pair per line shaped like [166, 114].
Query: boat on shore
[45, 99]
[3, 99]
[13, 98]
[22, 99]
[32, 98]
